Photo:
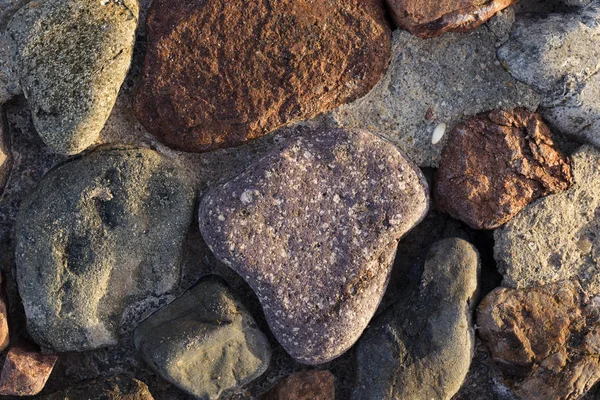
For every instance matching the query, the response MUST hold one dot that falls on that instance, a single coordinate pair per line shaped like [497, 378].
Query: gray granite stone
[434, 81]
[204, 342]
[421, 347]
[313, 229]
[98, 246]
[71, 57]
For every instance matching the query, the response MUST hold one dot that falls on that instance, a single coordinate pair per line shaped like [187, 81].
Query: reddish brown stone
[495, 164]
[546, 340]
[221, 72]
[307, 385]
[25, 371]
[426, 18]
[4, 333]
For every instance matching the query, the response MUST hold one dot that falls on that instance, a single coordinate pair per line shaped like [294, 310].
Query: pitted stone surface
[71, 57]
[434, 81]
[98, 246]
[313, 229]
[220, 73]
[556, 237]
[421, 347]
[495, 164]
[426, 18]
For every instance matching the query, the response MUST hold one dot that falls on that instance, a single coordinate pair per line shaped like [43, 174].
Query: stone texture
[5, 151]
[9, 82]
[204, 342]
[4, 331]
[121, 387]
[306, 385]
[496, 163]
[25, 371]
[545, 339]
[71, 57]
[432, 18]
[98, 245]
[220, 73]
[440, 80]
[313, 229]
[421, 347]
[556, 237]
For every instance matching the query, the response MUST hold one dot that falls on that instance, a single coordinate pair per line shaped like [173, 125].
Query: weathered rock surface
[306, 385]
[25, 371]
[204, 342]
[421, 347]
[558, 55]
[556, 237]
[71, 57]
[9, 82]
[121, 387]
[220, 73]
[313, 229]
[5, 152]
[434, 81]
[4, 331]
[496, 163]
[432, 18]
[545, 339]
[98, 246]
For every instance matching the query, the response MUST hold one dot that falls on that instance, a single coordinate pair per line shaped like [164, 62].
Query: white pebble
[438, 133]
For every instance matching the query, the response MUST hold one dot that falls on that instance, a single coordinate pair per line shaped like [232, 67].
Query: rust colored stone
[307, 385]
[4, 332]
[546, 340]
[219, 73]
[496, 163]
[426, 18]
[25, 371]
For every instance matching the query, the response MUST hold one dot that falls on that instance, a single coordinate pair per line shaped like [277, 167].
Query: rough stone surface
[204, 342]
[9, 82]
[120, 387]
[5, 151]
[495, 164]
[306, 385]
[432, 18]
[556, 237]
[433, 81]
[98, 245]
[4, 331]
[421, 347]
[25, 371]
[220, 73]
[545, 339]
[71, 57]
[313, 229]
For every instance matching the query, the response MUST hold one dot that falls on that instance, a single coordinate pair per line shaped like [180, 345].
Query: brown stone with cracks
[25, 371]
[219, 73]
[495, 164]
[305, 385]
[426, 18]
[546, 340]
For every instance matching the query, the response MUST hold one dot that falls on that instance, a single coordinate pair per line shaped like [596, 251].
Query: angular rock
[427, 19]
[306, 385]
[98, 245]
[205, 342]
[435, 81]
[121, 387]
[496, 163]
[546, 339]
[71, 57]
[220, 73]
[313, 229]
[556, 237]
[25, 371]
[421, 347]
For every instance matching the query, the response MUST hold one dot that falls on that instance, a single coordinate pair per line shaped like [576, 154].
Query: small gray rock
[433, 81]
[98, 246]
[9, 83]
[557, 237]
[72, 57]
[205, 342]
[313, 229]
[421, 347]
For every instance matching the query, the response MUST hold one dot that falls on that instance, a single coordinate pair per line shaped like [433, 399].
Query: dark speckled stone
[313, 229]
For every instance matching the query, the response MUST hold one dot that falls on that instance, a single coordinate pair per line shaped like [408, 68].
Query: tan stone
[25, 371]
[306, 385]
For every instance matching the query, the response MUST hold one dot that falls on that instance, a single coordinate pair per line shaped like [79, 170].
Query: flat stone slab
[313, 229]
